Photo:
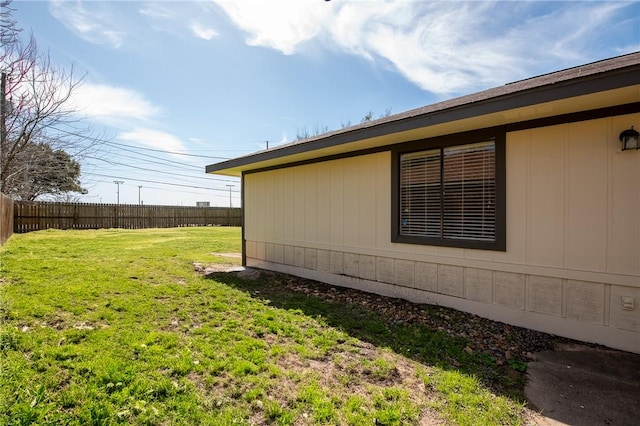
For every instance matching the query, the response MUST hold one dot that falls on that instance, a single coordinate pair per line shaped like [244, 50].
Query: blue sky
[217, 79]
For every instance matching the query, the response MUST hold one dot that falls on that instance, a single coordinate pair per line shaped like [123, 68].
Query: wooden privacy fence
[35, 216]
[6, 218]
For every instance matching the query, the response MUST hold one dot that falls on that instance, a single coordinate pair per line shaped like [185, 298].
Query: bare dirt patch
[353, 371]
[216, 268]
[229, 255]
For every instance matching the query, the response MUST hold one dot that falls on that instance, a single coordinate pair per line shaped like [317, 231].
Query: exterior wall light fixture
[629, 139]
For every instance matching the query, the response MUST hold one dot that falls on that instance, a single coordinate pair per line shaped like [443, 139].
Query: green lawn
[116, 327]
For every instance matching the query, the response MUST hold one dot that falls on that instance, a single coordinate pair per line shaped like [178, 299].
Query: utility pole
[230, 206]
[230, 186]
[139, 187]
[118, 182]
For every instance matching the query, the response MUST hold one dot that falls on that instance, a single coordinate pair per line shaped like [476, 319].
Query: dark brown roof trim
[573, 117]
[609, 74]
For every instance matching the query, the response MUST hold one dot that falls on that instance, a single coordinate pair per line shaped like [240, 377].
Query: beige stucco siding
[339, 203]
[581, 213]
[573, 233]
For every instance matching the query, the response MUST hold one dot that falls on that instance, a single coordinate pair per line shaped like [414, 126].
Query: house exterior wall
[573, 234]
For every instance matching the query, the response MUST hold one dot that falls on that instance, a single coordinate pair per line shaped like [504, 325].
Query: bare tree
[35, 107]
[369, 116]
[304, 133]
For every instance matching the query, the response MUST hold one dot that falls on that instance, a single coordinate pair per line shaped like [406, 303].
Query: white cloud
[281, 25]
[178, 18]
[153, 138]
[105, 103]
[156, 11]
[435, 45]
[197, 140]
[94, 21]
[202, 31]
[443, 47]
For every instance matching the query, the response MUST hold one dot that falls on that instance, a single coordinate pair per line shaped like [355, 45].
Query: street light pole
[139, 188]
[118, 182]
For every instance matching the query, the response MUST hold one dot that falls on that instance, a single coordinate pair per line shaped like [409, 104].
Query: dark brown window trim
[498, 134]
[500, 245]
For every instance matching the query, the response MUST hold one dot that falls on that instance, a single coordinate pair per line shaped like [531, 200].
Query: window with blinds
[449, 193]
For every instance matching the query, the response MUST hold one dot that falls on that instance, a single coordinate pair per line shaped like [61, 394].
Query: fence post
[6, 218]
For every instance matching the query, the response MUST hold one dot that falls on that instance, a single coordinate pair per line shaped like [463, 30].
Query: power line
[113, 163]
[108, 143]
[162, 162]
[167, 152]
[137, 156]
[118, 145]
[181, 191]
[154, 157]
[161, 183]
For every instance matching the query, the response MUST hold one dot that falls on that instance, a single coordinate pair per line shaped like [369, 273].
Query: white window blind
[449, 193]
[420, 194]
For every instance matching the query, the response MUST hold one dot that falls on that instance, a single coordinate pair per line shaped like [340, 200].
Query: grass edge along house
[518, 203]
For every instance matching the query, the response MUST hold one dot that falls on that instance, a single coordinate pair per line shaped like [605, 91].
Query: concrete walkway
[580, 385]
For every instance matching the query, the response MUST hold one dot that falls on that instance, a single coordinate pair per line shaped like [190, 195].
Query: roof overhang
[594, 86]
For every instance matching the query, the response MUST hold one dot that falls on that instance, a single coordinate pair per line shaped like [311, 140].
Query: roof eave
[552, 87]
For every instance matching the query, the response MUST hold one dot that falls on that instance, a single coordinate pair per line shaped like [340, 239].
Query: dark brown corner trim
[244, 239]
